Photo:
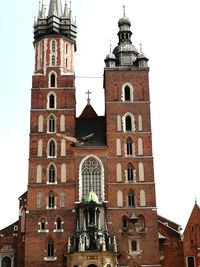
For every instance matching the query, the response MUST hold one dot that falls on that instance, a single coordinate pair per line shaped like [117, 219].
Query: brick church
[90, 200]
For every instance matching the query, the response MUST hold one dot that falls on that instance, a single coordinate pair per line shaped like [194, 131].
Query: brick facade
[89, 203]
[191, 239]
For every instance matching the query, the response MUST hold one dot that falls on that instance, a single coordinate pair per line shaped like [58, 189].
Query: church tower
[132, 214]
[52, 111]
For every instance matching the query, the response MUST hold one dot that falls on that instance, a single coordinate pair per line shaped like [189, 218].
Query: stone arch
[128, 122]
[127, 92]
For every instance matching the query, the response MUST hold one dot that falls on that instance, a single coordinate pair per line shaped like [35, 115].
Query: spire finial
[140, 48]
[70, 9]
[39, 5]
[124, 10]
[88, 99]
[39, 12]
[110, 48]
[66, 10]
[195, 201]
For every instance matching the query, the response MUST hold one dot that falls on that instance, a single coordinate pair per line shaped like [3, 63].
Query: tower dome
[125, 52]
[124, 21]
[110, 59]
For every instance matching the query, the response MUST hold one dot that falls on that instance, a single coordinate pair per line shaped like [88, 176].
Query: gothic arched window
[190, 261]
[131, 199]
[51, 101]
[52, 148]
[92, 177]
[130, 172]
[51, 124]
[128, 123]
[51, 201]
[53, 60]
[124, 223]
[50, 249]
[129, 147]
[58, 224]
[134, 245]
[53, 47]
[53, 80]
[53, 53]
[51, 174]
[127, 93]
[42, 225]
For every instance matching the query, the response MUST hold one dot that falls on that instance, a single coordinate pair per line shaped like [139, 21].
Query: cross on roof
[88, 99]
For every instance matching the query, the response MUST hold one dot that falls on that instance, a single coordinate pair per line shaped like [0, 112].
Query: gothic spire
[43, 10]
[55, 8]
[66, 11]
[56, 22]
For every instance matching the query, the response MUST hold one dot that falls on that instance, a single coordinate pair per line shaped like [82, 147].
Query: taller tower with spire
[50, 196]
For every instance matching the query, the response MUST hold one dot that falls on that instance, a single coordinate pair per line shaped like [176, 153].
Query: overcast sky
[169, 32]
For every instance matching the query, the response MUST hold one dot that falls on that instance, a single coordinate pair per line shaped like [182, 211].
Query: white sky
[169, 31]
